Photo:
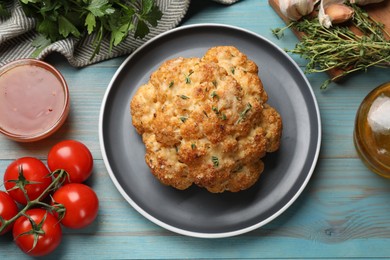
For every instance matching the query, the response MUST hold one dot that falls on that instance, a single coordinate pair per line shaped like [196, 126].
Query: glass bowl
[34, 100]
[372, 130]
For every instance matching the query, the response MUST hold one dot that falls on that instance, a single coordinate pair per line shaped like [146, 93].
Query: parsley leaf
[65, 27]
[57, 20]
[3, 11]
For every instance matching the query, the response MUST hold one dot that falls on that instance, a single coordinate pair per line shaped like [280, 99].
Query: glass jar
[34, 100]
[372, 130]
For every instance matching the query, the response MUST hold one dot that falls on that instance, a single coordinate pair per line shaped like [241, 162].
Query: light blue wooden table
[344, 212]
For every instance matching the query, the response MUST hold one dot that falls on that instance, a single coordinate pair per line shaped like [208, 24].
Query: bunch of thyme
[338, 48]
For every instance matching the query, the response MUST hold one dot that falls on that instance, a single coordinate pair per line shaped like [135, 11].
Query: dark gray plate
[196, 212]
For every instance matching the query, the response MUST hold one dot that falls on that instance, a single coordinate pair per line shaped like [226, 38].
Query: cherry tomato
[80, 202]
[8, 209]
[72, 156]
[36, 178]
[47, 241]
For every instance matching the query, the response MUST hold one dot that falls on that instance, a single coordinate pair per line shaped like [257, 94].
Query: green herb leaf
[187, 77]
[90, 22]
[65, 27]
[244, 113]
[215, 161]
[183, 97]
[214, 95]
[57, 20]
[40, 43]
[4, 12]
[183, 118]
[141, 30]
[100, 8]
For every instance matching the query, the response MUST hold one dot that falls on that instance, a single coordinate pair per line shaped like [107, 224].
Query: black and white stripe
[17, 33]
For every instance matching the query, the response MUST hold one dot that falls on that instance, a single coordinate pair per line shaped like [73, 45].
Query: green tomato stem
[57, 181]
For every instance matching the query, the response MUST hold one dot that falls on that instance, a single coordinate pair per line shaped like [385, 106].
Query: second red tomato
[72, 156]
[80, 202]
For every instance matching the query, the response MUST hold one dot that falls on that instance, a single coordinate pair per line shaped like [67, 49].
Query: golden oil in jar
[372, 130]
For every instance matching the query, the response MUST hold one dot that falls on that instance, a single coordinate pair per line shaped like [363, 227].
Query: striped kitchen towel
[17, 33]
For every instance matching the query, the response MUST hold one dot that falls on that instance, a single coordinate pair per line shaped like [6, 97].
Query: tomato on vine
[80, 202]
[72, 156]
[37, 233]
[8, 209]
[26, 176]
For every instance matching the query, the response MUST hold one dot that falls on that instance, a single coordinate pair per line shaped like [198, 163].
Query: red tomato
[72, 156]
[80, 202]
[34, 172]
[47, 241]
[8, 209]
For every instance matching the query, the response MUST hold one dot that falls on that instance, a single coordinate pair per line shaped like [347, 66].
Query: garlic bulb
[295, 9]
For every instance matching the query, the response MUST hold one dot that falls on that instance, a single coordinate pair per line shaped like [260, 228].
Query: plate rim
[171, 227]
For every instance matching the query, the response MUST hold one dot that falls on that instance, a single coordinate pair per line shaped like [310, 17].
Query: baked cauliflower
[205, 121]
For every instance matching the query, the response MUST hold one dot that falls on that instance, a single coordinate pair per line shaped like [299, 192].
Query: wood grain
[344, 212]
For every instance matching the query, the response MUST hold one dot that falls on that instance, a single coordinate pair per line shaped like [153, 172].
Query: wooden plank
[343, 211]
[379, 12]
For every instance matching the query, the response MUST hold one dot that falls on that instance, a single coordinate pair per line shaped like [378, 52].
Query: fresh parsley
[57, 20]
[4, 13]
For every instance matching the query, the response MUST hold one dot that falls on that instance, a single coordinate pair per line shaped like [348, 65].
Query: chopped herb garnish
[171, 84]
[219, 114]
[214, 94]
[193, 146]
[188, 80]
[184, 97]
[215, 110]
[183, 118]
[243, 113]
[215, 161]
[204, 112]
[233, 69]
[215, 83]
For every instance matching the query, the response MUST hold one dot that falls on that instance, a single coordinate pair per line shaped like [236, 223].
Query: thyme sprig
[338, 48]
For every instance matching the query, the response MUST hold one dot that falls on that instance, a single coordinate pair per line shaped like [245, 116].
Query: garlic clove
[339, 13]
[324, 19]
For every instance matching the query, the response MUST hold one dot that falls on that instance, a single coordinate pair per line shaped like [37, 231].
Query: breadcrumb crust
[205, 121]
